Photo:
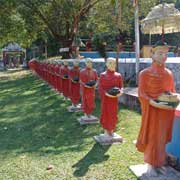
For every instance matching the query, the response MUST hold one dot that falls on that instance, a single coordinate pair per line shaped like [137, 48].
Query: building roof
[13, 47]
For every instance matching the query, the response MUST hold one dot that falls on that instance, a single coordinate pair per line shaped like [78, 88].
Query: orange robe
[43, 71]
[53, 75]
[65, 82]
[109, 106]
[32, 64]
[88, 94]
[156, 126]
[74, 89]
[59, 79]
[56, 68]
[48, 73]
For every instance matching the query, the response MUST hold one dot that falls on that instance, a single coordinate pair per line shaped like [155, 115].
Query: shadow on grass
[33, 118]
[94, 156]
[13, 70]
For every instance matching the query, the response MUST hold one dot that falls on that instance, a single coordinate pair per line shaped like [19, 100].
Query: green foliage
[13, 27]
[103, 18]
[178, 4]
[104, 41]
[24, 21]
[58, 18]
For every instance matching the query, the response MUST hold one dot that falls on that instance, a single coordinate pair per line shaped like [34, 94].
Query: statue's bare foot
[88, 116]
[151, 171]
[108, 133]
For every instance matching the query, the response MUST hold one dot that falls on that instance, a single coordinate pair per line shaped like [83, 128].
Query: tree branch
[42, 16]
[87, 5]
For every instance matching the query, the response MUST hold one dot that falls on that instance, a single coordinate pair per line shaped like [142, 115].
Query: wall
[123, 54]
[127, 67]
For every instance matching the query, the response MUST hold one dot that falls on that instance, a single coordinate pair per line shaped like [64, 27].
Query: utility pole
[118, 22]
[137, 41]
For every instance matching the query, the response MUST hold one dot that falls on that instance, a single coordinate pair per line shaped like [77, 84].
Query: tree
[60, 18]
[12, 25]
[24, 21]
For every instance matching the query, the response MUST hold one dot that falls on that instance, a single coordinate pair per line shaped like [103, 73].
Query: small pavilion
[13, 55]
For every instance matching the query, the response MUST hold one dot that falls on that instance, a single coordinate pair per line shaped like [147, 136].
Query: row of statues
[156, 94]
[73, 82]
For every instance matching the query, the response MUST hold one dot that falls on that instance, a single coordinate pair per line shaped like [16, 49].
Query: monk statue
[58, 77]
[88, 81]
[110, 88]
[158, 100]
[74, 87]
[64, 71]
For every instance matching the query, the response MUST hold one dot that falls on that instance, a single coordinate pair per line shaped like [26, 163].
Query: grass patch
[36, 130]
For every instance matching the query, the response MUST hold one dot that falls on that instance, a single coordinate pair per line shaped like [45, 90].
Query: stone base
[85, 120]
[104, 139]
[165, 173]
[172, 160]
[59, 93]
[75, 108]
[66, 98]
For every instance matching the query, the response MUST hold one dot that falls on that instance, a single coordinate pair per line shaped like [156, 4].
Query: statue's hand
[90, 87]
[65, 77]
[117, 95]
[74, 81]
[114, 92]
[160, 105]
[94, 86]
[120, 94]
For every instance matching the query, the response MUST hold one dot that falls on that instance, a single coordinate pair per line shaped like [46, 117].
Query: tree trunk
[66, 44]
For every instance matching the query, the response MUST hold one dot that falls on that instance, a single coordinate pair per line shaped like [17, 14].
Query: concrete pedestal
[66, 99]
[75, 108]
[105, 139]
[85, 120]
[165, 173]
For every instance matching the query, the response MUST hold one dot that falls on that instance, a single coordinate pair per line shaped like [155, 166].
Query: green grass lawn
[36, 130]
